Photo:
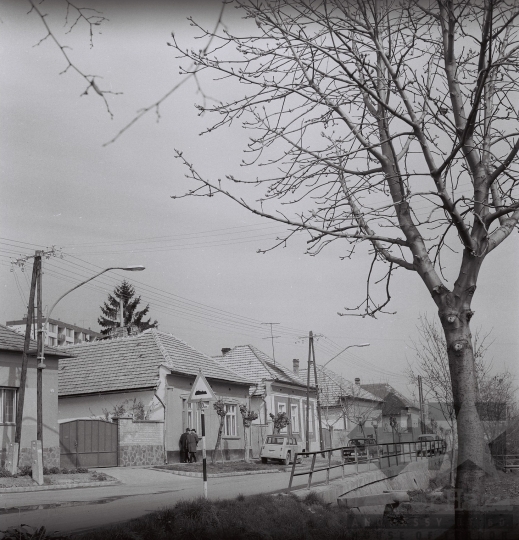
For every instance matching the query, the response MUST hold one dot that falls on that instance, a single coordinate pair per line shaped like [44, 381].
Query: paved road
[142, 491]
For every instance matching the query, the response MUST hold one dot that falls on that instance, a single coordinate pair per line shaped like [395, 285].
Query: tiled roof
[10, 340]
[333, 387]
[383, 390]
[133, 362]
[256, 365]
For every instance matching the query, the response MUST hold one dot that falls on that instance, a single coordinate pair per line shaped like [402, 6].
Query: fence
[383, 456]
[506, 461]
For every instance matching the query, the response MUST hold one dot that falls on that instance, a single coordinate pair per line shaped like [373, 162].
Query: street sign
[201, 390]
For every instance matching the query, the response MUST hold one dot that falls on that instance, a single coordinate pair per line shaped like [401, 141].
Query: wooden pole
[319, 420]
[41, 364]
[420, 398]
[23, 374]
[308, 398]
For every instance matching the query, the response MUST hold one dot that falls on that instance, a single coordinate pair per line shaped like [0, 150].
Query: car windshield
[275, 440]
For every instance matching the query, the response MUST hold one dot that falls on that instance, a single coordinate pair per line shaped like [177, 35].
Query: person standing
[192, 441]
[184, 452]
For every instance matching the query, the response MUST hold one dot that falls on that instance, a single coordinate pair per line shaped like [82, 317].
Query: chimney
[296, 366]
[225, 350]
[357, 381]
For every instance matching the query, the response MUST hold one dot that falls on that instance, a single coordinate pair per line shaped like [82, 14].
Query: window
[7, 405]
[192, 417]
[294, 418]
[230, 421]
[53, 328]
[282, 408]
[70, 332]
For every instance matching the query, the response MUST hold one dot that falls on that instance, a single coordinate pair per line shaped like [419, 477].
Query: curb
[215, 475]
[60, 486]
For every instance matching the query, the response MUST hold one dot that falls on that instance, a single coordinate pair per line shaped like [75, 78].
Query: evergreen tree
[131, 315]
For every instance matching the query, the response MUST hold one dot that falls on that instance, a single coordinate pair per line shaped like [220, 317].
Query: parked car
[361, 446]
[281, 448]
[430, 445]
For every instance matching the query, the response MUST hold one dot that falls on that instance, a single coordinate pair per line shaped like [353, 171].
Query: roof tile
[10, 340]
[133, 362]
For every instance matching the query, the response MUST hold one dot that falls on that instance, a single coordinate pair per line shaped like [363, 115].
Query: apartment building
[58, 332]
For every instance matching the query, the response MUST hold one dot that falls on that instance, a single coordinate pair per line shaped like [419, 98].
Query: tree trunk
[473, 458]
[218, 440]
[247, 447]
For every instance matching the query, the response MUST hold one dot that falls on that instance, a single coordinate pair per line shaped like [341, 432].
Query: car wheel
[287, 459]
[264, 460]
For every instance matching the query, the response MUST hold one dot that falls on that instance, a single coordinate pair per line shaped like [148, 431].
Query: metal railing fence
[381, 456]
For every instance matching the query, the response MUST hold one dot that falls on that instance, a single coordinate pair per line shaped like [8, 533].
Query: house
[404, 412]
[347, 409]
[11, 353]
[57, 332]
[276, 389]
[143, 382]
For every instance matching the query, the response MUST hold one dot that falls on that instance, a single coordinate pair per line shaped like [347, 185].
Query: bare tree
[389, 123]
[496, 399]
[219, 407]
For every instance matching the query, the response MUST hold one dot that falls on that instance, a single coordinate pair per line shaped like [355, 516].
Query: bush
[312, 499]
[81, 470]
[51, 470]
[68, 471]
[4, 473]
[25, 532]
[26, 470]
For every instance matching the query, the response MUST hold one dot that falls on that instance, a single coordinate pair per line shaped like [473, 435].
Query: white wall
[91, 406]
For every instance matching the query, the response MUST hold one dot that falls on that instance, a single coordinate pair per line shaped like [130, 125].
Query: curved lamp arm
[349, 347]
[41, 364]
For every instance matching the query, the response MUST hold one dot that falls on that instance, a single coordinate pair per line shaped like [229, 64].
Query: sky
[106, 206]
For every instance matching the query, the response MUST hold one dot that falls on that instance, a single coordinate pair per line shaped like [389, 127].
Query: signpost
[201, 392]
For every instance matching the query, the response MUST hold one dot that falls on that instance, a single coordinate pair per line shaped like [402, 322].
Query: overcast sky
[112, 206]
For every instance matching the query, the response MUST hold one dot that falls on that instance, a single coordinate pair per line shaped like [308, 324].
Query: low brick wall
[141, 442]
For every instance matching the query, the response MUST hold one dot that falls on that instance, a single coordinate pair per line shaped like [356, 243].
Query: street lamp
[137, 268]
[348, 347]
[41, 358]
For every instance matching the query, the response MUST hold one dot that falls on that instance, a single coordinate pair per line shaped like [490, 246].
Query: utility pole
[36, 289]
[272, 337]
[26, 343]
[308, 399]
[39, 346]
[420, 397]
[311, 360]
[317, 393]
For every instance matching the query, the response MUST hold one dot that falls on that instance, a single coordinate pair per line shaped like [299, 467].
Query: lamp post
[348, 347]
[44, 328]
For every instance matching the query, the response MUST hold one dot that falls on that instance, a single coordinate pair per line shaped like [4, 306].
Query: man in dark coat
[184, 452]
[192, 441]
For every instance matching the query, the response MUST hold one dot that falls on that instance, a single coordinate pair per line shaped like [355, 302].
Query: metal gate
[88, 443]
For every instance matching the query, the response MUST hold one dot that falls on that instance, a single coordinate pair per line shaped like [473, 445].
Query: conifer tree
[131, 315]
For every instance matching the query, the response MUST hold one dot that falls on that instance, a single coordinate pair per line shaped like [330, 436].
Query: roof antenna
[272, 337]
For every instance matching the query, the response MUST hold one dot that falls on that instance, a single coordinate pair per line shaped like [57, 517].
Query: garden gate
[88, 443]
